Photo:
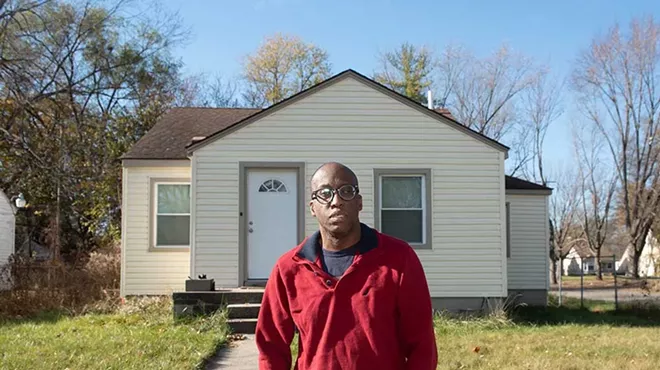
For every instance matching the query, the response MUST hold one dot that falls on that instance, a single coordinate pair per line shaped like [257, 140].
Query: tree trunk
[635, 267]
[599, 272]
[554, 271]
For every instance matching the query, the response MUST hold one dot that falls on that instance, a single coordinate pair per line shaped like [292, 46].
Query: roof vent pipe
[429, 99]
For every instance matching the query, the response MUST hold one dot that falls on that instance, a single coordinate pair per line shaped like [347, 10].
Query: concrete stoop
[242, 305]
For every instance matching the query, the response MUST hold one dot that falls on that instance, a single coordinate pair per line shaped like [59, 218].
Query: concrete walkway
[239, 355]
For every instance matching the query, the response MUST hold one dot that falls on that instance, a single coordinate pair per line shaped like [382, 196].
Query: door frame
[244, 167]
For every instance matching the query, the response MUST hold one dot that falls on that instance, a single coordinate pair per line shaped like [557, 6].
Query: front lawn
[138, 336]
[566, 338]
[554, 338]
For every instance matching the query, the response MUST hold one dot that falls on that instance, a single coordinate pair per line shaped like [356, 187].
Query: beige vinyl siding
[144, 271]
[365, 129]
[528, 264]
[7, 227]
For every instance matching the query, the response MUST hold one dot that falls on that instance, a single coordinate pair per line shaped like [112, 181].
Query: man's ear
[311, 208]
[359, 202]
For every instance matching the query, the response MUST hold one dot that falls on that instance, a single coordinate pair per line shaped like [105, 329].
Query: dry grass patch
[140, 335]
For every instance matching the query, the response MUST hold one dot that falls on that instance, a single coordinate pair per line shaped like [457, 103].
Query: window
[272, 186]
[172, 215]
[403, 205]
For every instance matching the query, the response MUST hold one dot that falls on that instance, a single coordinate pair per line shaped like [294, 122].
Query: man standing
[359, 298]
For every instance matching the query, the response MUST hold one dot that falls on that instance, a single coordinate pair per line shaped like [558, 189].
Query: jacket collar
[311, 246]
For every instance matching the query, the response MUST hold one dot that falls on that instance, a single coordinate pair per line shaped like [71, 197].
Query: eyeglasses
[326, 195]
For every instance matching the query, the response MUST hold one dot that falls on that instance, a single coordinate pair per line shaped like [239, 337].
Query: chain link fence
[579, 279]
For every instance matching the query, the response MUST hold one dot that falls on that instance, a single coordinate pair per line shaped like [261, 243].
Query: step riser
[196, 309]
[217, 298]
[243, 327]
[251, 312]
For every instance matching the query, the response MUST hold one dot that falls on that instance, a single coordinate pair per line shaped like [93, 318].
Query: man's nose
[336, 200]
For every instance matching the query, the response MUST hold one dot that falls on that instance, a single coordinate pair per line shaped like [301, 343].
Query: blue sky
[354, 32]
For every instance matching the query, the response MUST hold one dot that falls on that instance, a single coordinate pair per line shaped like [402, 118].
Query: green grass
[564, 338]
[557, 337]
[139, 336]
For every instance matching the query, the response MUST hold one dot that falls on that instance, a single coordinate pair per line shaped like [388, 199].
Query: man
[359, 298]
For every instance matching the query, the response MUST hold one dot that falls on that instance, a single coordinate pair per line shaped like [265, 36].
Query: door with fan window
[271, 218]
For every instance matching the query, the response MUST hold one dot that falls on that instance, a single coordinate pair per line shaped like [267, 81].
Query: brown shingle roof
[176, 129]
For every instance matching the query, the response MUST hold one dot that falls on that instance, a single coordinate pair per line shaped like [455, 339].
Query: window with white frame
[403, 205]
[172, 215]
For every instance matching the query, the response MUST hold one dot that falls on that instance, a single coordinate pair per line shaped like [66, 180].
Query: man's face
[334, 213]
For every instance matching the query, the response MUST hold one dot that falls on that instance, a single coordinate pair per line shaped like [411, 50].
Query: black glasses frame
[354, 188]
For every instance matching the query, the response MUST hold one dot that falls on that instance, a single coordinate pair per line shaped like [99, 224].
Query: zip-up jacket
[377, 315]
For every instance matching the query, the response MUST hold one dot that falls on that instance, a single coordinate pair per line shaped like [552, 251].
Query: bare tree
[200, 91]
[487, 95]
[541, 106]
[597, 186]
[284, 65]
[482, 93]
[616, 79]
[408, 70]
[564, 218]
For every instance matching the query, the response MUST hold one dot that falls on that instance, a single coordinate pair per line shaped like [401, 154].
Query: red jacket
[378, 315]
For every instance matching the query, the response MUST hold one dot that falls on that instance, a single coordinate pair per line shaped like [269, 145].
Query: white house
[581, 256]
[224, 192]
[649, 261]
[7, 236]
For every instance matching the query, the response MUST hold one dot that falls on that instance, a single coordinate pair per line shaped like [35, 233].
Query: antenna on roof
[429, 99]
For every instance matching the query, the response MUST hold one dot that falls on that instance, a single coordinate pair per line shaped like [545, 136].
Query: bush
[91, 283]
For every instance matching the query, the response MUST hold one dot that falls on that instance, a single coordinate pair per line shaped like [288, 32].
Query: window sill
[169, 249]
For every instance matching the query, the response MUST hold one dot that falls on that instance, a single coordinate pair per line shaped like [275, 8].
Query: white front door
[271, 218]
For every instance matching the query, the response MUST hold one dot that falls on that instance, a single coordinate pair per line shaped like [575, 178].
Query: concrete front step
[208, 302]
[242, 326]
[243, 310]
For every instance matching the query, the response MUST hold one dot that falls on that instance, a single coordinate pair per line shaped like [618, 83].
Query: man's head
[336, 202]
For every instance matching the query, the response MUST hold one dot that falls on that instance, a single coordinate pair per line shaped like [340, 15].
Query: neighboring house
[649, 261]
[7, 236]
[225, 192]
[581, 256]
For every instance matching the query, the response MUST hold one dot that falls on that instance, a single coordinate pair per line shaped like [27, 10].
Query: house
[580, 256]
[225, 192]
[7, 236]
[649, 261]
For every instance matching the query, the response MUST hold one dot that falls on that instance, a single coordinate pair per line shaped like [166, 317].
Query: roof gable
[437, 115]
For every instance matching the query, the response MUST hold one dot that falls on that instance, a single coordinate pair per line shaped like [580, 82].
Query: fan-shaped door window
[272, 186]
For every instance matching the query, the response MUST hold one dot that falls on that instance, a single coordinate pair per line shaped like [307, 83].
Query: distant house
[225, 192]
[7, 234]
[649, 261]
[580, 256]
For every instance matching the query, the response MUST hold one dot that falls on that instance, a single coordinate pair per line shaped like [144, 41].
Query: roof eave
[529, 191]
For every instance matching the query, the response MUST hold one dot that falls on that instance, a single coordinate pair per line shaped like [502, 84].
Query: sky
[355, 32]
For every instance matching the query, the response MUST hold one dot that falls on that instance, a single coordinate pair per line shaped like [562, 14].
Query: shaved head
[334, 168]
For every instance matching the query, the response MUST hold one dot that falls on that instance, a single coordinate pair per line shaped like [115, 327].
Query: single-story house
[581, 256]
[225, 192]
